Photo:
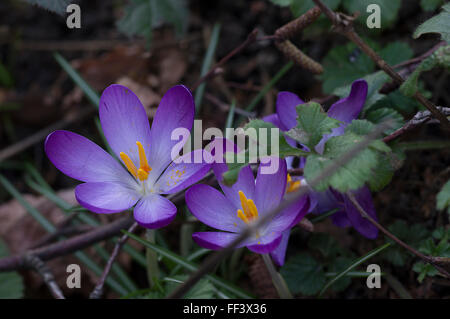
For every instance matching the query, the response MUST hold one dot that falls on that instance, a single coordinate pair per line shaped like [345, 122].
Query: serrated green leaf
[358, 170]
[438, 24]
[303, 274]
[141, 16]
[312, 124]
[382, 114]
[342, 65]
[262, 142]
[388, 10]
[424, 270]
[396, 52]
[443, 198]
[56, 6]
[430, 5]
[11, 283]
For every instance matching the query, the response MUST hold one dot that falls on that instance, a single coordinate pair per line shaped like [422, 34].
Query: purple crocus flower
[147, 169]
[344, 110]
[241, 204]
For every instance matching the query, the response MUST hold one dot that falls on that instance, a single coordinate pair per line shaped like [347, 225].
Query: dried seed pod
[298, 57]
[295, 26]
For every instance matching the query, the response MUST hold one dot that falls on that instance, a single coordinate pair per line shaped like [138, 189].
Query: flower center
[140, 173]
[248, 212]
[292, 186]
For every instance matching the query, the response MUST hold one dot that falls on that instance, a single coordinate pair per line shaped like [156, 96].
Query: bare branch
[41, 268]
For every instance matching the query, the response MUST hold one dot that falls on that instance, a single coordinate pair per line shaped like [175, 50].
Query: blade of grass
[207, 61]
[90, 93]
[230, 116]
[267, 87]
[50, 228]
[353, 265]
[190, 266]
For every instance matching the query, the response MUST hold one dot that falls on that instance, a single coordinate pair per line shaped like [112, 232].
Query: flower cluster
[140, 171]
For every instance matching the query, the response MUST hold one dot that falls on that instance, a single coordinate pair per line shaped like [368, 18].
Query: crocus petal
[212, 208]
[106, 197]
[274, 119]
[215, 240]
[279, 253]
[286, 109]
[154, 211]
[361, 224]
[175, 111]
[340, 219]
[124, 121]
[179, 176]
[79, 158]
[270, 188]
[348, 109]
[265, 244]
[244, 183]
[289, 216]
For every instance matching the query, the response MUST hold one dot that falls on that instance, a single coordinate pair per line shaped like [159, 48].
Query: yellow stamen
[142, 174]
[249, 211]
[143, 164]
[292, 186]
[128, 163]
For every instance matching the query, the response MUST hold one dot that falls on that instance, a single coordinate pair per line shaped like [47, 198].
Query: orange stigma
[144, 169]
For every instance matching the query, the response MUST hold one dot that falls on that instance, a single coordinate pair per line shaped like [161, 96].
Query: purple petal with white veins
[362, 225]
[244, 183]
[106, 197]
[215, 240]
[212, 208]
[175, 111]
[270, 188]
[286, 109]
[348, 109]
[179, 176]
[124, 121]
[79, 158]
[154, 211]
[279, 253]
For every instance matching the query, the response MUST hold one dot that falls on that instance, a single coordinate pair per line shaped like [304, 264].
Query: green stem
[152, 259]
[278, 281]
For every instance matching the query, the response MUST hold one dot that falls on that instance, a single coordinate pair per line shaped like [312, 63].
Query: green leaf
[324, 243]
[382, 114]
[430, 5]
[443, 198]
[388, 10]
[339, 265]
[356, 263]
[303, 274]
[6, 79]
[342, 65]
[424, 270]
[396, 52]
[358, 170]
[438, 24]
[56, 6]
[203, 289]
[190, 266]
[312, 124]
[11, 283]
[141, 16]
[263, 145]
[282, 3]
[299, 7]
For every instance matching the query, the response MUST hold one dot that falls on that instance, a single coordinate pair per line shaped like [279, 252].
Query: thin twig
[41, 268]
[428, 259]
[344, 25]
[420, 118]
[210, 262]
[250, 39]
[40, 135]
[98, 290]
